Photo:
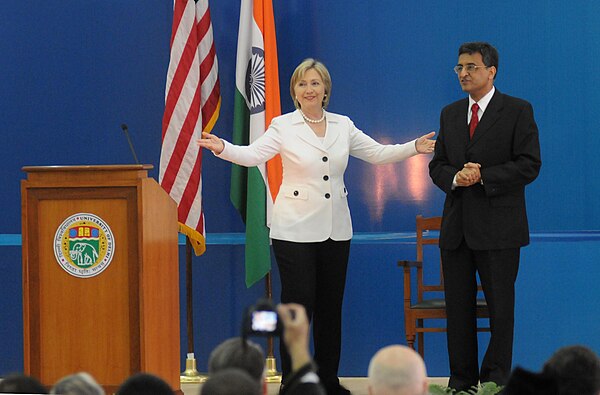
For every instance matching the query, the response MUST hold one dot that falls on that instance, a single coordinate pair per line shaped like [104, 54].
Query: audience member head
[241, 354]
[21, 384]
[576, 370]
[77, 384]
[144, 384]
[231, 381]
[397, 370]
[524, 382]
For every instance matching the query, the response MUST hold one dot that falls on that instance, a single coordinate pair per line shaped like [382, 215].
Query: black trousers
[497, 271]
[314, 275]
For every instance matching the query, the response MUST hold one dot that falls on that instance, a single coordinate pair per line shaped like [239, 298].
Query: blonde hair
[298, 74]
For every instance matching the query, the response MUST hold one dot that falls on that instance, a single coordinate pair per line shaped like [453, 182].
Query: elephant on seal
[83, 254]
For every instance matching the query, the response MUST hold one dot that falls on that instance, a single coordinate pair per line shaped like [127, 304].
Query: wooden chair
[430, 303]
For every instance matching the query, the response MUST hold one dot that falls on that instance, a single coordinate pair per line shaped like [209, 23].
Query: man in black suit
[484, 157]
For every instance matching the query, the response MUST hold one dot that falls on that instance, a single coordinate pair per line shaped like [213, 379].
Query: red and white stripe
[192, 103]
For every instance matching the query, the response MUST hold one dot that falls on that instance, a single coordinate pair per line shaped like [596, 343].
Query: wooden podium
[100, 274]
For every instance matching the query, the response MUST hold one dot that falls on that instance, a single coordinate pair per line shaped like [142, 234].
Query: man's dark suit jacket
[304, 382]
[506, 144]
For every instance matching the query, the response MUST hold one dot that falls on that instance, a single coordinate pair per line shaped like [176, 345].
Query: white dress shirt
[482, 103]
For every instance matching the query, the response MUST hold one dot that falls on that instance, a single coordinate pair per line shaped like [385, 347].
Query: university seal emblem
[84, 245]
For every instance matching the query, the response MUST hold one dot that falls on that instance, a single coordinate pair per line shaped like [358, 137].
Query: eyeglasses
[469, 68]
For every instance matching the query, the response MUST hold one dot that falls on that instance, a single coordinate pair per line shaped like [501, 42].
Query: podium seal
[84, 245]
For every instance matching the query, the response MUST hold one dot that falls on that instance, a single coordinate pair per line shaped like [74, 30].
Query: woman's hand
[211, 142]
[424, 144]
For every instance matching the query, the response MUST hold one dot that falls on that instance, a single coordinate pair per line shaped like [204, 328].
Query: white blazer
[312, 202]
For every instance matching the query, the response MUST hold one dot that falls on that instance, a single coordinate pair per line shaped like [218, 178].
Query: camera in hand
[262, 319]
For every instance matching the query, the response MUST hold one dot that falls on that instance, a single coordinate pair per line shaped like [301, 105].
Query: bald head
[397, 370]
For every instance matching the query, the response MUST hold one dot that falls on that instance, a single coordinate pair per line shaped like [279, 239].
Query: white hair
[397, 370]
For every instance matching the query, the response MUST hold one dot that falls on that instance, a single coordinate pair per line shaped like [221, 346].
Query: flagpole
[191, 46]
[272, 375]
[190, 375]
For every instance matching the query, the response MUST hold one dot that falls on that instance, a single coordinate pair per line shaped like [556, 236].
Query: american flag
[192, 103]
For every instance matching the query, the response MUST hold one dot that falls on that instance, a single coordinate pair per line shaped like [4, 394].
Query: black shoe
[338, 390]
[344, 391]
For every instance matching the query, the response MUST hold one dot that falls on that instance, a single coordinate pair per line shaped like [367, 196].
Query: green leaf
[482, 389]
[436, 389]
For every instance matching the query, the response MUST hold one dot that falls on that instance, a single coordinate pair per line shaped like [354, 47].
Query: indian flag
[253, 190]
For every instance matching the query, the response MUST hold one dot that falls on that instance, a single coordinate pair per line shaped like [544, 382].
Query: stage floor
[356, 385]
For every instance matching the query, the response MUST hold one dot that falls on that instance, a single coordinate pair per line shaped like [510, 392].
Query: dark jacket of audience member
[21, 384]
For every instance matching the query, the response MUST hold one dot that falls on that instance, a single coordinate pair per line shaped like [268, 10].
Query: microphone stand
[126, 131]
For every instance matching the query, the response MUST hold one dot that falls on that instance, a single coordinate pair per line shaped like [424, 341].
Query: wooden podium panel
[122, 320]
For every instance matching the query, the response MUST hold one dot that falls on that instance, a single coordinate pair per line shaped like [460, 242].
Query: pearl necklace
[307, 119]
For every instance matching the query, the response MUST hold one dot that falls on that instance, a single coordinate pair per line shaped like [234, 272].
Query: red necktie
[474, 119]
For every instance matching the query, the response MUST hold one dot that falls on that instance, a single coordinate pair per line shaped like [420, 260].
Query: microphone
[126, 131]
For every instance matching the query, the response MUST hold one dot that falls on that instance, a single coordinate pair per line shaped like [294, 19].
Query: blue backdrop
[72, 71]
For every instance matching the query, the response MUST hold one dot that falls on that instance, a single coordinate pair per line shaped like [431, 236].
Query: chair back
[430, 303]
[428, 235]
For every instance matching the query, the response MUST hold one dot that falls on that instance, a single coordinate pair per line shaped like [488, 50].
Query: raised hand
[424, 144]
[211, 142]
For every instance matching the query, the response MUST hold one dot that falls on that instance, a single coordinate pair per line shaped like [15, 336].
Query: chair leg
[410, 332]
[410, 340]
[421, 339]
[421, 342]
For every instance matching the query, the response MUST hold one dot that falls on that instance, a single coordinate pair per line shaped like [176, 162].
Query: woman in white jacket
[311, 226]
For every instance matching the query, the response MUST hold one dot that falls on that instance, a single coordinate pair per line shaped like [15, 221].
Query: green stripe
[258, 253]
[248, 194]
[239, 174]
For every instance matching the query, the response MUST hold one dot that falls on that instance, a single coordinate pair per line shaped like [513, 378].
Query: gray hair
[77, 384]
[234, 353]
[231, 382]
[390, 377]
